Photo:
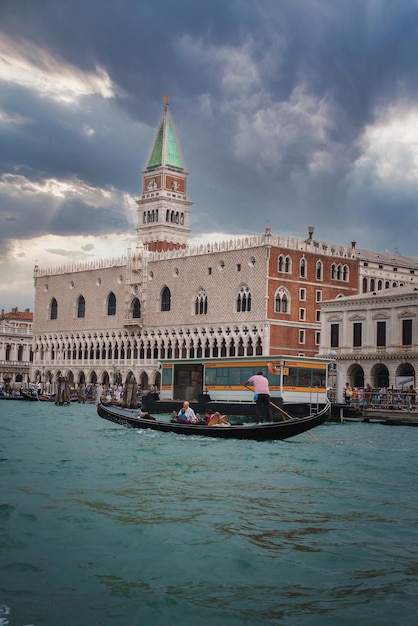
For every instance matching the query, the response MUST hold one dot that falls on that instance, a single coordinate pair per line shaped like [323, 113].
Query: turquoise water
[102, 525]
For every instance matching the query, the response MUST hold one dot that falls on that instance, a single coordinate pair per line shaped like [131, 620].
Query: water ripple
[116, 526]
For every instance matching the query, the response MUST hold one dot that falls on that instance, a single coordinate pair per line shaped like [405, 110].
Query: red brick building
[300, 276]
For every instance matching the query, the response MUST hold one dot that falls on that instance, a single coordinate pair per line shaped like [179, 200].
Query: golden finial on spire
[166, 99]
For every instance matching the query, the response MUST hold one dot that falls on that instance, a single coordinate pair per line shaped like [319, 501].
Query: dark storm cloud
[51, 140]
[271, 100]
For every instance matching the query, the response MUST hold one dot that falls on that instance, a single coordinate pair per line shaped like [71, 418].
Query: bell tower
[163, 207]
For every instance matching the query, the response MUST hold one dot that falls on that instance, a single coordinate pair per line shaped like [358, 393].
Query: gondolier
[261, 396]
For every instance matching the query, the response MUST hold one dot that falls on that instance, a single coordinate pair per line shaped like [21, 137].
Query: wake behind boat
[257, 432]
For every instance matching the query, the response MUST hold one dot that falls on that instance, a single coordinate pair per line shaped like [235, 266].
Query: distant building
[373, 337]
[15, 347]
[380, 271]
[258, 295]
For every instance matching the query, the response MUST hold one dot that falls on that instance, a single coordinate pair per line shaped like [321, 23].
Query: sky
[289, 113]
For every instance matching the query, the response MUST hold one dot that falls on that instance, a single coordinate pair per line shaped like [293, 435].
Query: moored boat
[258, 432]
[11, 396]
[29, 395]
[297, 384]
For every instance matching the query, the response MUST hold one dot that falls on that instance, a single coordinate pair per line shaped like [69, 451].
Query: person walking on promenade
[261, 396]
[368, 395]
[410, 397]
[99, 392]
[348, 393]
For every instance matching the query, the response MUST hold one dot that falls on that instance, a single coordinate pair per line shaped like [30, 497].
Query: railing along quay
[390, 407]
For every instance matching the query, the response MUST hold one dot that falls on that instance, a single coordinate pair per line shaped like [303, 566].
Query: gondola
[29, 395]
[32, 396]
[257, 432]
[12, 396]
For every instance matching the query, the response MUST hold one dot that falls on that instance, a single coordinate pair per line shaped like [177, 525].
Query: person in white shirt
[191, 416]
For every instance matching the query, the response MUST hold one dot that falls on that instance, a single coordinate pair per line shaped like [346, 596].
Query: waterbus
[292, 380]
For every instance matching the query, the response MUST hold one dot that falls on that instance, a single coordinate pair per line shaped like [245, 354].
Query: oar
[286, 415]
[282, 411]
[291, 418]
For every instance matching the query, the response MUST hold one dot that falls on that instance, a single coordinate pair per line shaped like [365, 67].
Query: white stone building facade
[372, 337]
[15, 348]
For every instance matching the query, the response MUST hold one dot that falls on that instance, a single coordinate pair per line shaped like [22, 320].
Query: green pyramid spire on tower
[166, 150]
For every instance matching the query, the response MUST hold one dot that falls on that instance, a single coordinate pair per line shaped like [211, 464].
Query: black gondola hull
[257, 432]
[29, 395]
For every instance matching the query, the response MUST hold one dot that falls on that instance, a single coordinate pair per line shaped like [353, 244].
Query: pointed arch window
[223, 348]
[136, 309]
[111, 304]
[201, 303]
[207, 348]
[284, 264]
[215, 351]
[319, 270]
[54, 309]
[244, 300]
[165, 299]
[303, 268]
[341, 272]
[281, 301]
[81, 307]
[338, 272]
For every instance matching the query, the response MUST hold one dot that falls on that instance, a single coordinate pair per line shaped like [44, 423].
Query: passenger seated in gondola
[208, 415]
[214, 419]
[146, 416]
[219, 420]
[191, 417]
[182, 417]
